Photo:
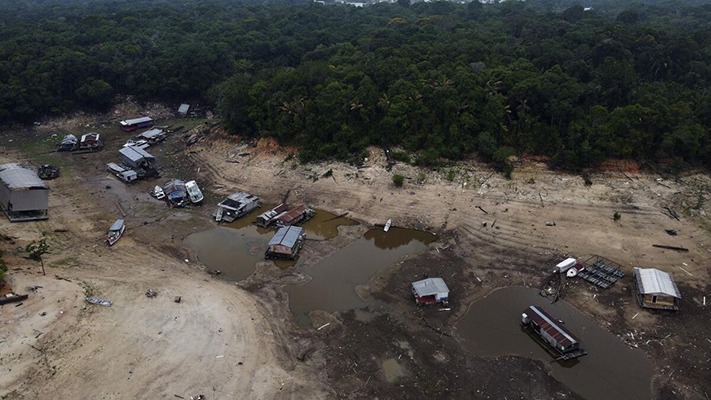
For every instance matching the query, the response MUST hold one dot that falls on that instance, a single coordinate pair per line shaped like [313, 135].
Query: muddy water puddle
[334, 279]
[611, 370]
[234, 249]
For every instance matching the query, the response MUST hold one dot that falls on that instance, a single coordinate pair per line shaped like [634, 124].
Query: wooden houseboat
[552, 333]
[286, 243]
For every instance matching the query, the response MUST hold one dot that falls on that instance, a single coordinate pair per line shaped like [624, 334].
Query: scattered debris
[99, 301]
[323, 326]
[550, 223]
[151, 293]
[178, 299]
[670, 232]
[483, 210]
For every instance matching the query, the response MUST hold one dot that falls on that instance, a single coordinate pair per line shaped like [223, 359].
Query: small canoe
[387, 225]
[116, 231]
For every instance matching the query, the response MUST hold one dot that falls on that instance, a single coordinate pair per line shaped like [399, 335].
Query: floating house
[135, 157]
[430, 291]
[295, 216]
[286, 243]
[656, 289]
[153, 136]
[131, 125]
[23, 195]
[235, 206]
[268, 218]
[553, 333]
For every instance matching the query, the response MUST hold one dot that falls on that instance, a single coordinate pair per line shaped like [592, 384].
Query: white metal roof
[183, 109]
[135, 121]
[654, 281]
[430, 287]
[135, 153]
[16, 176]
[287, 236]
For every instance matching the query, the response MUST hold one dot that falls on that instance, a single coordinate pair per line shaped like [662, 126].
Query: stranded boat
[387, 225]
[116, 231]
[556, 337]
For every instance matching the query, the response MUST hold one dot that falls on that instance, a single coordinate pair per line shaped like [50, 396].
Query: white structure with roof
[23, 195]
[656, 289]
[430, 291]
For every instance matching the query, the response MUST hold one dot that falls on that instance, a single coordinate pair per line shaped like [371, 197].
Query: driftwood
[483, 210]
[676, 248]
[13, 299]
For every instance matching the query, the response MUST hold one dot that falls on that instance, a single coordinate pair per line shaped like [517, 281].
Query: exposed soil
[238, 341]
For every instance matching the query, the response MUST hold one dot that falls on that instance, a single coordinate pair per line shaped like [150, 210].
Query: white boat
[387, 225]
[194, 192]
[116, 231]
[158, 192]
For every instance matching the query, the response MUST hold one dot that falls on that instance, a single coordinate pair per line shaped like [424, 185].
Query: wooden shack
[656, 289]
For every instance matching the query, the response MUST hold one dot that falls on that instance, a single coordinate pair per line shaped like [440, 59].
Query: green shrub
[398, 180]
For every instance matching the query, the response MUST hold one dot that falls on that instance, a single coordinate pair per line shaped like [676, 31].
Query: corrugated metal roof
[151, 133]
[135, 121]
[430, 287]
[654, 281]
[183, 109]
[135, 153]
[287, 236]
[16, 176]
[558, 332]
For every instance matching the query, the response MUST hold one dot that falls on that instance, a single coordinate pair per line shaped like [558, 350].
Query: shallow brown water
[611, 370]
[335, 279]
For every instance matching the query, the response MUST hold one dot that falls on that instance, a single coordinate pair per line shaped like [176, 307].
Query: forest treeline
[441, 80]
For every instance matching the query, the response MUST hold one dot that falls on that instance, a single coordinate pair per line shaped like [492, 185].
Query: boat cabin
[236, 205]
[295, 216]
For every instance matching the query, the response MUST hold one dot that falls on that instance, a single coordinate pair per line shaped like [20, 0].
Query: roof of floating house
[16, 176]
[238, 199]
[136, 121]
[549, 324]
[430, 287]
[152, 134]
[183, 109]
[293, 214]
[287, 236]
[654, 281]
[134, 153]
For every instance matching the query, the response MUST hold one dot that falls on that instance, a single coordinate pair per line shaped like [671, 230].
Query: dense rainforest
[441, 80]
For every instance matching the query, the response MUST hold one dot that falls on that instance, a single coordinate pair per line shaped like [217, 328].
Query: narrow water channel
[334, 280]
[611, 370]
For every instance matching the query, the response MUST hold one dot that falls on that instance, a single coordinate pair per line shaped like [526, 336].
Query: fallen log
[13, 299]
[676, 248]
[483, 210]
